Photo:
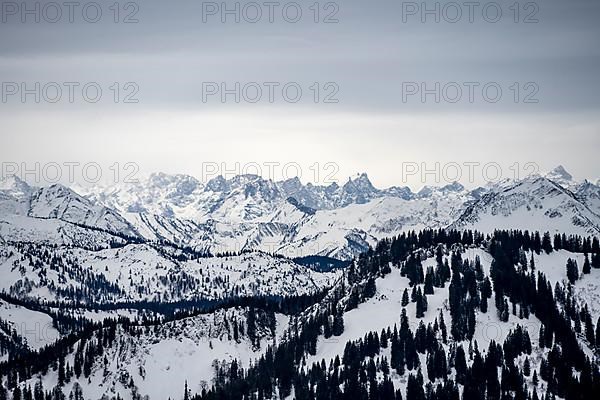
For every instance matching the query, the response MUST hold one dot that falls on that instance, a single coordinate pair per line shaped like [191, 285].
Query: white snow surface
[33, 326]
[140, 272]
[535, 204]
[162, 359]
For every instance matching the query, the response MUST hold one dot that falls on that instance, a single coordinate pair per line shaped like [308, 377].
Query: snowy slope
[161, 359]
[586, 288]
[59, 202]
[344, 232]
[383, 311]
[589, 193]
[56, 215]
[535, 203]
[141, 272]
[20, 228]
[34, 327]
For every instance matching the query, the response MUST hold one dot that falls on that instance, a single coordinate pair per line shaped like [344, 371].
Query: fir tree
[572, 271]
[460, 364]
[443, 328]
[596, 260]
[429, 279]
[414, 387]
[546, 243]
[586, 265]
[526, 367]
[405, 300]
[338, 324]
[61, 371]
[421, 306]
[38, 390]
[251, 327]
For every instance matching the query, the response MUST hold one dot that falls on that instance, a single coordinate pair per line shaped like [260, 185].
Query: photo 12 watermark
[70, 172]
[36, 333]
[69, 92]
[454, 12]
[252, 12]
[70, 12]
[270, 92]
[466, 171]
[470, 92]
[319, 173]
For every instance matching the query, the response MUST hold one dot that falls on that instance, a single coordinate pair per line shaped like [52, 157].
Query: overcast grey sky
[374, 61]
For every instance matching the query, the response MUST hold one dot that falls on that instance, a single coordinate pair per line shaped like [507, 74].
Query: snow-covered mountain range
[248, 212]
[193, 281]
[139, 272]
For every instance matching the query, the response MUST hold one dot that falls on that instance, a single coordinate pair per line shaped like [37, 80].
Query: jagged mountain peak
[301, 207]
[245, 179]
[454, 187]
[543, 181]
[333, 186]
[559, 172]
[403, 192]
[248, 183]
[295, 181]
[164, 179]
[360, 183]
[217, 184]
[358, 190]
[179, 183]
[293, 186]
[428, 190]
[560, 176]
[588, 187]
